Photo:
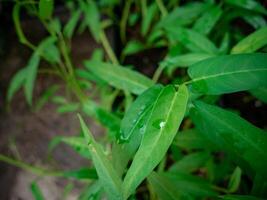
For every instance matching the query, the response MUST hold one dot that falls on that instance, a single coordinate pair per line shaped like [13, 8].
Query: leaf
[48, 50]
[190, 162]
[136, 116]
[165, 118]
[46, 9]
[72, 23]
[31, 71]
[17, 81]
[180, 186]
[83, 173]
[191, 139]
[36, 191]
[133, 47]
[252, 42]
[239, 197]
[92, 17]
[120, 77]
[248, 4]
[231, 73]
[192, 40]
[106, 173]
[233, 134]
[68, 107]
[235, 180]
[260, 93]
[147, 20]
[208, 20]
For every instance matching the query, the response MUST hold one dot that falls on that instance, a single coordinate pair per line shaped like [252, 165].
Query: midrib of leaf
[234, 130]
[129, 79]
[227, 73]
[159, 134]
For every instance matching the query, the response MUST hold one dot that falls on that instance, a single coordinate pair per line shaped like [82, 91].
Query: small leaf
[147, 20]
[120, 77]
[17, 82]
[231, 73]
[133, 47]
[46, 9]
[163, 123]
[83, 173]
[248, 4]
[235, 180]
[36, 191]
[106, 173]
[31, 72]
[72, 23]
[252, 42]
[208, 20]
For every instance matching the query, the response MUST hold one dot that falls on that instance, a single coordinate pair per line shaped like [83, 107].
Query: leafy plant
[168, 129]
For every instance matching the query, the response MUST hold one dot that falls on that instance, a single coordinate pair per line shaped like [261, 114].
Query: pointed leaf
[120, 77]
[46, 8]
[163, 123]
[106, 173]
[231, 73]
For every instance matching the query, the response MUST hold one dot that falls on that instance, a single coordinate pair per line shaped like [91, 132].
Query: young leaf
[46, 9]
[233, 134]
[133, 47]
[106, 173]
[231, 73]
[70, 26]
[120, 77]
[207, 21]
[165, 118]
[192, 40]
[17, 81]
[83, 173]
[36, 191]
[252, 42]
[31, 68]
[148, 18]
[235, 180]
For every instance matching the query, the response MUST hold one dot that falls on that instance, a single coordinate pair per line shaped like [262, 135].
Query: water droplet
[142, 130]
[158, 124]
[162, 124]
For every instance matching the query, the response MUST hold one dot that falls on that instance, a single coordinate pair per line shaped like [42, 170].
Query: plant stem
[107, 47]
[158, 72]
[162, 8]
[124, 18]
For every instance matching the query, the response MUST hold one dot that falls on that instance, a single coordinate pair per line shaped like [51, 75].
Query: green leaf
[136, 116]
[260, 93]
[239, 197]
[231, 73]
[68, 107]
[46, 9]
[252, 42]
[190, 162]
[208, 20]
[106, 173]
[92, 17]
[191, 139]
[192, 40]
[83, 173]
[148, 18]
[133, 47]
[233, 134]
[166, 115]
[76, 143]
[248, 4]
[17, 82]
[120, 77]
[36, 191]
[72, 23]
[235, 180]
[31, 72]
[49, 50]
[175, 186]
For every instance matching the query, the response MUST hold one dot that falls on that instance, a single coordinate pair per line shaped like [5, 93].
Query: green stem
[158, 73]
[162, 8]
[35, 170]
[107, 47]
[124, 18]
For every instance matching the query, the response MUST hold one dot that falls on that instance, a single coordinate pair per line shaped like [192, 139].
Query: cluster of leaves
[214, 154]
